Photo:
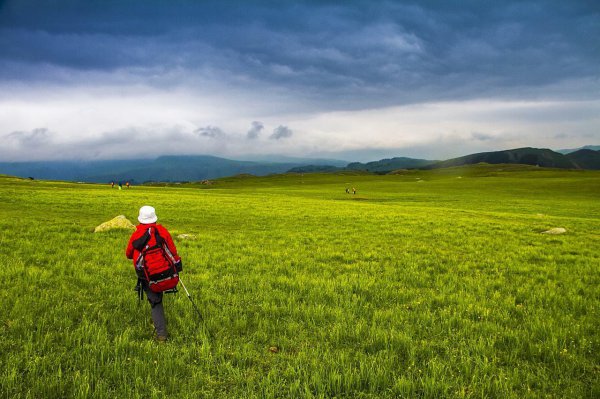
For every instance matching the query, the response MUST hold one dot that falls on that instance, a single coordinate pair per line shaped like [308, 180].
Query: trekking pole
[191, 300]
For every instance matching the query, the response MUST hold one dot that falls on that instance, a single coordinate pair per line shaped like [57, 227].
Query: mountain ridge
[168, 168]
[543, 157]
[585, 147]
[180, 168]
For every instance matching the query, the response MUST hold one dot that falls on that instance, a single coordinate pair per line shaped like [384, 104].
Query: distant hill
[581, 159]
[68, 170]
[390, 164]
[381, 166]
[585, 159]
[202, 167]
[295, 160]
[585, 147]
[314, 169]
[165, 168]
[527, 156]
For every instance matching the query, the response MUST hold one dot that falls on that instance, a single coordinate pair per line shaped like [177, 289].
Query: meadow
[423, 284]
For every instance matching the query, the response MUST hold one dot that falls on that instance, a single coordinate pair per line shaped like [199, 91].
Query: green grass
[424, 284]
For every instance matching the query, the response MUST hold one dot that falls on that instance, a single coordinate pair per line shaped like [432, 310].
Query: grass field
[423, 284]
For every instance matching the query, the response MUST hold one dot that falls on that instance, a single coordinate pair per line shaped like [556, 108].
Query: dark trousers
[158, 312]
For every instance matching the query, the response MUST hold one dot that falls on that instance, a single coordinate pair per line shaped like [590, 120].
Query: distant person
[148, 236]
[120, 186]
[112, 184]
[353, 190]
[347, 190]
[127, 184]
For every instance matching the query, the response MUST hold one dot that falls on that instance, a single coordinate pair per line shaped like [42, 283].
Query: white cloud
[130, 121]
[455, 128]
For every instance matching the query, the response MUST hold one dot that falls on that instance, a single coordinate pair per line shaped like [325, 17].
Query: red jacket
[134, 254]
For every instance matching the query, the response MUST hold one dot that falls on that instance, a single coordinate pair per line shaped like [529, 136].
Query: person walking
[144, 236]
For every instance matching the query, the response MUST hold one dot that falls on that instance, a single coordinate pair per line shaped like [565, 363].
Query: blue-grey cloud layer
[331, 55]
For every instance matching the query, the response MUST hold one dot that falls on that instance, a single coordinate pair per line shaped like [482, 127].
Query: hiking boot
[161, 338]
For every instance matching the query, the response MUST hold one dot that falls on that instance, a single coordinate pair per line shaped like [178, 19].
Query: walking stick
[191, 300]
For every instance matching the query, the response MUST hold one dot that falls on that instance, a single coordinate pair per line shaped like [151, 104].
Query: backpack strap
[159, 240]
[141, 242]
[161, 243]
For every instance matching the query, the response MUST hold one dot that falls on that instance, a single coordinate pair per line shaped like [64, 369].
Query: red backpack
[156, 264]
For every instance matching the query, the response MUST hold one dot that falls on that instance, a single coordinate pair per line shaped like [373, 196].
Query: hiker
[127, 184]
[112, 184]
[353, 190]
[149, 232]
[120, 186]
[347, 190]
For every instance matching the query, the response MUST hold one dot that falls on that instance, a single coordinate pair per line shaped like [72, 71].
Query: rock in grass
[555, 230]
[186, 236]
[120, 222]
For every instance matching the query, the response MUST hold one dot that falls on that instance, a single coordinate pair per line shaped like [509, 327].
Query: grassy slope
[423, 284]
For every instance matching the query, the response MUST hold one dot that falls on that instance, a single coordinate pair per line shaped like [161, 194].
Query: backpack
[156, 264]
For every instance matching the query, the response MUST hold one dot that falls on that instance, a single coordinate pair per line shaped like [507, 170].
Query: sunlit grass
[424, 284]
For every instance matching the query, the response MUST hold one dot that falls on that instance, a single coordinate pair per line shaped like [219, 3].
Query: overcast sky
[356, 80]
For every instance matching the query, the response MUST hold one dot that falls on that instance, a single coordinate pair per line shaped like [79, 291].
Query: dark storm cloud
[281, 132]
[354, 55]
[255, 130]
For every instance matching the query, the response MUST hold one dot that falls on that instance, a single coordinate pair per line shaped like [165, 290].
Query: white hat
[147, 215]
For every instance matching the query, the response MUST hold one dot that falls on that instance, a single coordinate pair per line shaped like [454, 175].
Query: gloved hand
[179, 266]
[140, 274]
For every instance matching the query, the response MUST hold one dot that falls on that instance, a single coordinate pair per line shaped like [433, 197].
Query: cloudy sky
[354, 80]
